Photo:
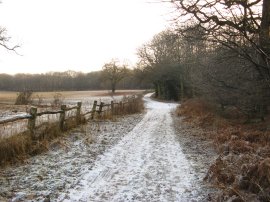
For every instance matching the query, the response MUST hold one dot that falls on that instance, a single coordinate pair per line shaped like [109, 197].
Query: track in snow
[146, 165]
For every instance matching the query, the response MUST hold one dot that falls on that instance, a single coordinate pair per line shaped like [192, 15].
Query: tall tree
[114, 73]
[242, 26]
[160, 60]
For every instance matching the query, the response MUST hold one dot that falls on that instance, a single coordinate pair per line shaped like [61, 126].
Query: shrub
[129, 105]
[40, 99]
[58, 100]
[24, 98]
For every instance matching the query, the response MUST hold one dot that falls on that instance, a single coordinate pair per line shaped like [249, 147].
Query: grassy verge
[242, 169]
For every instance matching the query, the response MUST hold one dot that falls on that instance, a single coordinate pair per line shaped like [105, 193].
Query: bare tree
[114, 73]
[168, 59]
[161, 60]
[243, 26]
[4, 39]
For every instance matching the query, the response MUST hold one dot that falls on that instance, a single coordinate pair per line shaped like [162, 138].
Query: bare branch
[4, 40]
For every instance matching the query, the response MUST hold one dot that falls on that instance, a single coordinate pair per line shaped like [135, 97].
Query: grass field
[46, 101]
[7, 97]
[16, 142]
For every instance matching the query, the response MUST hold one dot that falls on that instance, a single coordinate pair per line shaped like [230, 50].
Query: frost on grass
[51, 174]
[12, 111]
[129, 160]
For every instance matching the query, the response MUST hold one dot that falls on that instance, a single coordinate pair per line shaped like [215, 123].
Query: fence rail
[96, 109]
[16, 118]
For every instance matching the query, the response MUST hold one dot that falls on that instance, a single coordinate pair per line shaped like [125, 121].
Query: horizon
[64, 71]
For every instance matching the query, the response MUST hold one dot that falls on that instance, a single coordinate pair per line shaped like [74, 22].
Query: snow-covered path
[146, 165]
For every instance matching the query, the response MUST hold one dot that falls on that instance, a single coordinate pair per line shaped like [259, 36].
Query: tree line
[69, 80]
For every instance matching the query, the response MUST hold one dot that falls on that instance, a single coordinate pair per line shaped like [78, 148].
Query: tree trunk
[113, 87]
[156, 89]
[265, 46]
[181, 87]
[265, 27]
[159, 90]
[264, 41]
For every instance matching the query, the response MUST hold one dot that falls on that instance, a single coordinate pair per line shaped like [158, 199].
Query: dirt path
[146, 165]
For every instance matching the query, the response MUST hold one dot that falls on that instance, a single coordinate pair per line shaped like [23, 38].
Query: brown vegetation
[242, 168]
[11, 147]
[126, 106]
[17, 148]
[132, 105]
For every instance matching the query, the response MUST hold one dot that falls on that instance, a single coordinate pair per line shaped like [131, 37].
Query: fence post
[112, 108]
[32, 120]
[78, 113]
[121, 104]
[135, 104]
[94, 109]
[120, 108]
[130, 105]
[100, 108]
[62, 117]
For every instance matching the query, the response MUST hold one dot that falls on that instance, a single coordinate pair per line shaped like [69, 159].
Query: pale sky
[79, 35]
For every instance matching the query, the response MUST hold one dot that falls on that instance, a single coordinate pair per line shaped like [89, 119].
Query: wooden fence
[112, 108]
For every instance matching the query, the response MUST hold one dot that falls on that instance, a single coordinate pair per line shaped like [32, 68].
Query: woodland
[215, 61]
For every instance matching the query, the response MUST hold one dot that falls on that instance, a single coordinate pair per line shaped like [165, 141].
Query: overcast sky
[80, 35]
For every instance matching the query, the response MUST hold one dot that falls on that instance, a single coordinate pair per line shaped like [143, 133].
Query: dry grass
[132, 105]
[7, 97]
[202, 113]
[17, 148]
[242, 146]
[14, 148]
[10, 97]
[224, 130]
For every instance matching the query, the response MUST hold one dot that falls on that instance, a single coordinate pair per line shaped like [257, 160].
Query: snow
[135, 158]
[146, 165]
[4, 116]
